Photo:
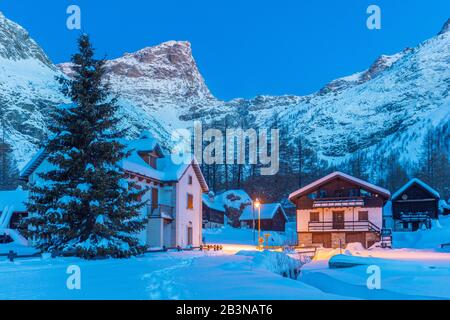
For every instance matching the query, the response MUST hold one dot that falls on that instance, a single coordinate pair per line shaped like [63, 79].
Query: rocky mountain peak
[167, 69]
[16, 44]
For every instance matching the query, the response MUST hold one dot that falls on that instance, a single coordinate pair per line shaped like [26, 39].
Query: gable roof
[268, 211]
[168, 170]
[418, 182]
[370, 187]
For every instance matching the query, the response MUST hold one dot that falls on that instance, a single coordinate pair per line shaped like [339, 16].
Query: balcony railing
[161, 211]
[338, 202]
[320, 226]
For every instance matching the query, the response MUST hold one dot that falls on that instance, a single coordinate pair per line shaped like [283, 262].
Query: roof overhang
[320, 182]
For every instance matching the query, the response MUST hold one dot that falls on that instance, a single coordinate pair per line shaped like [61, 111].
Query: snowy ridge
[387, 107]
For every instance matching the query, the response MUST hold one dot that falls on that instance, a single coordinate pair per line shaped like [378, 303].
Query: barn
[273, 217]
[414, 206]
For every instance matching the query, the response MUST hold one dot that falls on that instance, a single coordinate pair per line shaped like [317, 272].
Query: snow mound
[276, 262]
[425, 239]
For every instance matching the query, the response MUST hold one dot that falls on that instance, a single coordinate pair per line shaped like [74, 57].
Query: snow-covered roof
[268, 211]
[227, 199]
[167, 170]
[213, 202]
[235, 198]
[419, 182]
[327, 178]
[38, 158]
[15, 199]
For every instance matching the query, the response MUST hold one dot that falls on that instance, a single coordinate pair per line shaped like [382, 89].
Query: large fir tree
[83, 204]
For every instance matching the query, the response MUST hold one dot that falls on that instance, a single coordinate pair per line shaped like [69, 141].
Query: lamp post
[258, 206]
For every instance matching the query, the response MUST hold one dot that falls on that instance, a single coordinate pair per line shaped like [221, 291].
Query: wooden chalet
[339, 209]
[273, 217]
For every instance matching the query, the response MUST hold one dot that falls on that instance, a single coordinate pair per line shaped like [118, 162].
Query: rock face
[17, 45]
[386, 108]
[157, 86]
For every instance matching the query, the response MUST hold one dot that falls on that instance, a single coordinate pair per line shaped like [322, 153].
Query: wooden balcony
[324, 226]
[337, 202]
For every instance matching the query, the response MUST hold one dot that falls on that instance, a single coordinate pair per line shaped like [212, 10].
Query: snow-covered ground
[239, 272]
[230, 235]
[174, 275]
[425, 239]
[405, 274]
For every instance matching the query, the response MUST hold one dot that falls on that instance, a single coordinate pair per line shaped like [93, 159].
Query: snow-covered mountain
[387, 107]
[158, 84]
[28, 89]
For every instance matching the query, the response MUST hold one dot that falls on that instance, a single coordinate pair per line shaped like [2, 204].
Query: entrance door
[189, 236]
[338, 220]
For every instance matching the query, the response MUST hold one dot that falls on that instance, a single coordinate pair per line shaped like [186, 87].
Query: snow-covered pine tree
[83, 203]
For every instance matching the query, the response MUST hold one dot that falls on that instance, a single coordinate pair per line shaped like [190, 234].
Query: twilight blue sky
[242, 47]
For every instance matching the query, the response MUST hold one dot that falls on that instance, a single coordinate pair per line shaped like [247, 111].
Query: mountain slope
[28, 89]
[386, 108]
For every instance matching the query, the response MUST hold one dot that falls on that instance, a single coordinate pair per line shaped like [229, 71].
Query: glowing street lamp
[257, 205]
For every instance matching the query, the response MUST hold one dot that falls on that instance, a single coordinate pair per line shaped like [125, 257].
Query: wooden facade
[339, 209]
[414, 206]
[276, 223]
[212, 217]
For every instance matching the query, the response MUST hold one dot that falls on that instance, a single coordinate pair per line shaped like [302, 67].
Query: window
[353, 192]
[149, 159]
[314, 217]
[312, 196]
[365, 193]
[190, 180]
[190, 201]
[338, 193]
[322, 194]
[363, 216]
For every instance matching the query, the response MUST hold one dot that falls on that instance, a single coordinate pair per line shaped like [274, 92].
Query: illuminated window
[190, 201]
